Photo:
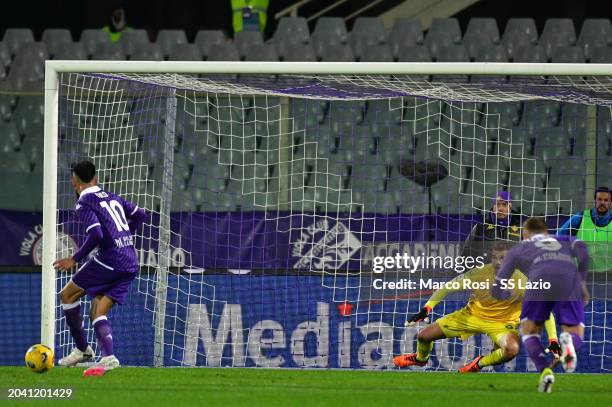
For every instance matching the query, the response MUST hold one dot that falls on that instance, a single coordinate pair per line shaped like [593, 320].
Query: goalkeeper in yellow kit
[483, 314]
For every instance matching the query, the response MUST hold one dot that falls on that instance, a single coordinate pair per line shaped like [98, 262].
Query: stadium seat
[602, 55]
[595, 32]
[261, 52]
[337, 53]
[284, 46]
[551, 147]
[331, 27]
[604, 169]
[247, 39]
[2, 71]
[405, 32]
[521, 27]
[27, 70]
[491, 53]
[14, 162]
[205, 39]
[54, 38]
[368, 178]
[92, 37]
[557, 33]
[224, 52]
[447, 28]
[474, 44]
[408, 197]
[132, 39]
[443, 32]
[15, 38]
[519, 32]
[70, 51]
[529, 53]
[561, 27]
[344, 114]
[367, 31]
[290, 32]
[185, 52]
[384, 112]
[168, 39]
[7, 103]
[452, 53]
[112, 51]
[482, 27]
[34, 50]
[294, 29]
[568, 54]
[329, 31]
[417, 53]
[447, 197]
[147, 52]
[359, 42]
[376, 53]
[28, 115]
[10, 139]
[505, 115]
[495, 53]
[300, 52]
[5, 55]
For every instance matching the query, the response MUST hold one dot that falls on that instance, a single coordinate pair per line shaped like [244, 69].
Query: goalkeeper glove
[554, 348]
[422, 315]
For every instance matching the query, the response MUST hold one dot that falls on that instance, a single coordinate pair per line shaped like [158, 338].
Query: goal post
[275, 182]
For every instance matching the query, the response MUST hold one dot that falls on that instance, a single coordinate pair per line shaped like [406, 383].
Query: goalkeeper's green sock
[494, 358]
[423, 350]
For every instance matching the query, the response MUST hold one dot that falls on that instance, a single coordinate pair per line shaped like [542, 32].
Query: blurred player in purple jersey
[109, 222]
[556, 267]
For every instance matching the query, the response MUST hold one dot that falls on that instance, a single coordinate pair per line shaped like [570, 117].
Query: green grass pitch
[288, 387]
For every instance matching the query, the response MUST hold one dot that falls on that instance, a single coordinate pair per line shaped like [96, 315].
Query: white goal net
[273, 197]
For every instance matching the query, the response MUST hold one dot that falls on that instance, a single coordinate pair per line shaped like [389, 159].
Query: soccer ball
[39, 358]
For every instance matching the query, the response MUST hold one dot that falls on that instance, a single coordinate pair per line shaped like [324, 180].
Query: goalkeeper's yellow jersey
[481, 303]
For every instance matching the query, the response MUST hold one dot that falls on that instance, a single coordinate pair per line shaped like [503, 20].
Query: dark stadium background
[192, 15]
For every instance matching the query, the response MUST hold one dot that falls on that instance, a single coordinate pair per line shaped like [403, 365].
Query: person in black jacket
[500, 223]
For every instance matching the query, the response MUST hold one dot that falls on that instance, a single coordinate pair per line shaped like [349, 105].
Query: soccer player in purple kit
[556, 267]
[109, 222]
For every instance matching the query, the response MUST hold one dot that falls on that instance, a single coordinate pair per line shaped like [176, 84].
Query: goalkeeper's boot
[77, 356]
[104, 365]
[569, 358]
[547, 378]
[471, 367]
[409, 359]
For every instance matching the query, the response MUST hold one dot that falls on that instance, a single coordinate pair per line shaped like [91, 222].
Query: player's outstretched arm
[422, 315]
[436, 297]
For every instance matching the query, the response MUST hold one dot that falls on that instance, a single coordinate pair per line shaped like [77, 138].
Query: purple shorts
[566, 312]
[95, 279]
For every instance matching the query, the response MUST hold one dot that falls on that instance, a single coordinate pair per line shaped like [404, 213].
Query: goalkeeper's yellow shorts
[462, 324]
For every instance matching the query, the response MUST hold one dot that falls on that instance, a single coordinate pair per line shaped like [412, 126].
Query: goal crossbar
[340, 68]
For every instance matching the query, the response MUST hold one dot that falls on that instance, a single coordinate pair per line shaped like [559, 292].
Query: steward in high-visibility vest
[249, 15]
[117, 25]
[594, 227]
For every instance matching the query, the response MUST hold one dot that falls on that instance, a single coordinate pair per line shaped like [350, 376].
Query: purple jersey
[116, 219]
[560, 261]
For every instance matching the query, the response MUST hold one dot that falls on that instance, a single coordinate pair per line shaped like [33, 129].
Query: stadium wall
[273, 321]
